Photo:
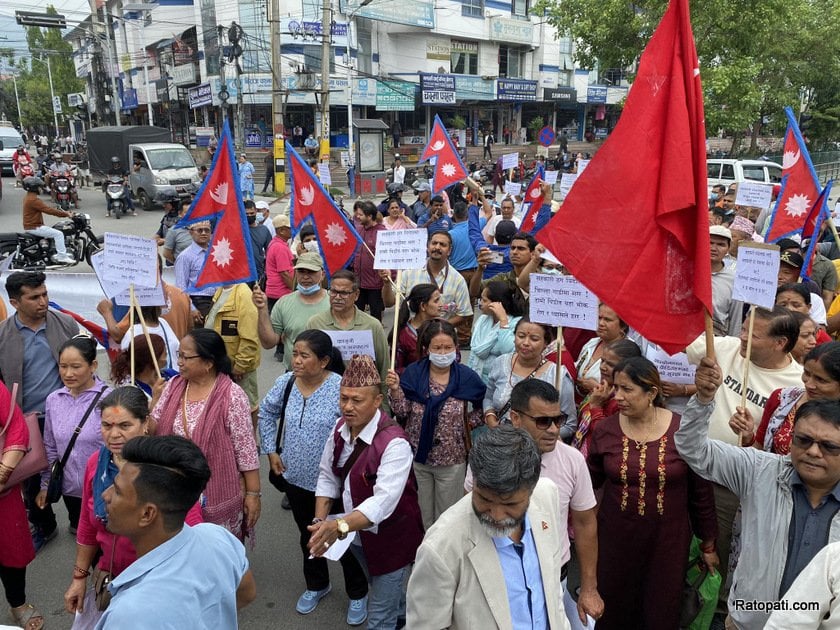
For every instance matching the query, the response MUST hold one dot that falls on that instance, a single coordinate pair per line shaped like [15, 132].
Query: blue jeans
[386, 598]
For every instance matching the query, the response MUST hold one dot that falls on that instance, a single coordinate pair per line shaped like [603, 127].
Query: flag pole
[397, 296]
[131, 304]
[747, 357]
[557, 365]
[710, 334]
[833, 229]
[149, 337]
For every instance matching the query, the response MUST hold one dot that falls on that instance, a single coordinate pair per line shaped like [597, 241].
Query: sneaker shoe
[40, 540]
[309, 600]
[284, 503]
[357, 611]
[63, 259]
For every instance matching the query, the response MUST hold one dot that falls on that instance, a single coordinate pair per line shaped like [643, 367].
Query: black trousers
[372, 298]
[315, 571]
[74, 509]
[14, 585]
[269, 181]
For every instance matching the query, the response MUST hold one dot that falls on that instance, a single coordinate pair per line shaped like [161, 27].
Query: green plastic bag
[708, 589]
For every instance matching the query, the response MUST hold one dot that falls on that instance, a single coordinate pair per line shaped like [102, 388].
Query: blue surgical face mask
[714, 196]
[442, 360]
[308, 290]
[260, 219]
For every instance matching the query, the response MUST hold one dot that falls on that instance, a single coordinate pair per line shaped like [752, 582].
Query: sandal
[28, 617]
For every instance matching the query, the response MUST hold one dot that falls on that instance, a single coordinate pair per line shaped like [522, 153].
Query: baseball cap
[281, 221]
[310, 261]
[787, 243]
[505, 231]
[719, 230]
[424, 186]
[262, 205]
[793, 259]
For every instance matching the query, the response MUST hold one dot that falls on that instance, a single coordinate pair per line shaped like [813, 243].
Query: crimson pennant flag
[813, 228]
[229, 259]
[532, 200]
[800, 186]
[338, 240]
[634, 228]
[448, 165]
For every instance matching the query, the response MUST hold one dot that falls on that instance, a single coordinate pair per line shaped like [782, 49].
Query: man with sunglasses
[535, 407]
[187, 267]
[790, 505]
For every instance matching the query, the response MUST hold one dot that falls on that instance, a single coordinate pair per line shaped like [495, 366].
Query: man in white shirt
[399, 170]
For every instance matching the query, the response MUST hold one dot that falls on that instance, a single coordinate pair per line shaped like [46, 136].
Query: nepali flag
[533, 202]
[813, 229]
[800, 186]
[338, 240]
[100, 333]
[448, 165]
[654, 270]
[229, 259]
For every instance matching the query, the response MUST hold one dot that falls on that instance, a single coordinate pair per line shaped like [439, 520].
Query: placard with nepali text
[350, 342]
[754, 194]
[130, 260]
[400, 249]
[510, 160]
[757, 274]
[672, 369]
[562, 301]
[513, 189]
[567, 180]
[550, 177]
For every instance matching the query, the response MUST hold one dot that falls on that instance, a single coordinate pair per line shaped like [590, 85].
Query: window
[712, 170]
[754, 173]
[464, 57]
[564, 78]
[472, 8]
[511, 62]
[727, 171]
[519, 7]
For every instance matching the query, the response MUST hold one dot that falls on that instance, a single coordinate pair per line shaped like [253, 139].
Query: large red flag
[448, 165]
[635, 228]
[230, 258]
[337, 238]
[800, 186]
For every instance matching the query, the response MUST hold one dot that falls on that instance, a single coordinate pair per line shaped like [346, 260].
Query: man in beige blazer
[493, 560]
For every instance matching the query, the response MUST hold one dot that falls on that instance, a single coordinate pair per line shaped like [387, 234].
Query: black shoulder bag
[57, 469]
[278, 481]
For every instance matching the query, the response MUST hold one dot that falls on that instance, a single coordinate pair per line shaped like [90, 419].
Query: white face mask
[442, 360]
[311, 246]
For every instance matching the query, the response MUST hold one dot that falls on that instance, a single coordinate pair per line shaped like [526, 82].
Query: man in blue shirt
[493, 559]
[174, 583]
[188, 266]
[437, 219]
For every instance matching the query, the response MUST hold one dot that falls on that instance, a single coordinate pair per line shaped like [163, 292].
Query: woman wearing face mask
[432, 400]
[421, 305]
[492, 334]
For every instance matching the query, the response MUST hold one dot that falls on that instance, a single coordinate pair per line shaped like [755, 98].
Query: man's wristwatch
[343, 528]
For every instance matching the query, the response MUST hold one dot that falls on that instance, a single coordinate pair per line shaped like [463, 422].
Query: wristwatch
[343, 528]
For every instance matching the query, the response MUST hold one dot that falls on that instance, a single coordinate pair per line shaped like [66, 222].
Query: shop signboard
[200, 96]
[437, 89]
[596, 94]
[395, 96]
[503, 29]
[185, 74]
[364, 91]
[516, 90]
[561, 95]
[438, 49]
[420, 13]
[129, 98]
[469, 88]
[294, 31]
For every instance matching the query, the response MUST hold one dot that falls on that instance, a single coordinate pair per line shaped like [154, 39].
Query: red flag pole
[747, 358]
[397, 296]
[710, 335]
[131, 304]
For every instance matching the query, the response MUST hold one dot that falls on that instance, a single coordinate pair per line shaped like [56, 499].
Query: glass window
[712, 170]
[775, 174]
[511, 62]
[754, 173]
[472, 8]
[519, 7]
[464, 57]
[727, 171]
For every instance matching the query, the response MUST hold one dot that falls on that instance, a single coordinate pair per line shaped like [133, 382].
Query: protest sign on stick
[400, 249]
[754, 194]
[562, 301]
[129, 260]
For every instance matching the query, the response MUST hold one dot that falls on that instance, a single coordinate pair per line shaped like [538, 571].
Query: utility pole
[52, 94]
[115, 96]
[223, 93]
[277, 114]
[235, 34]
[326, 44]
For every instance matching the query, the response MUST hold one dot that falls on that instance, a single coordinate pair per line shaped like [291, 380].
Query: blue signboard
[474, 88]
[395, 96]
[596, 94]
[129, 98]
[546, 136]
[253, 138]
[516, 90]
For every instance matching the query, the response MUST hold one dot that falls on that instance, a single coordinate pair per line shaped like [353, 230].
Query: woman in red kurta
[16, 548]
[651, 505]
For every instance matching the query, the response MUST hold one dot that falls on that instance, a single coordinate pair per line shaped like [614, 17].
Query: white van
[10, 140]
[727, 171]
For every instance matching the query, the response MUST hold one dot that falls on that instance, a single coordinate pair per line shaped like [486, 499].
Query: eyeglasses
[201, 230]
[543, 422]
[187, 357]
[344, 294]
[805, 442]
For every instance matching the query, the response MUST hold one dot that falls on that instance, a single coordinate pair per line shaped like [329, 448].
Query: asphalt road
[276, 558]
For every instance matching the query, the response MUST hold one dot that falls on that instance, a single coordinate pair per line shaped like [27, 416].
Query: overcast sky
[12, 35]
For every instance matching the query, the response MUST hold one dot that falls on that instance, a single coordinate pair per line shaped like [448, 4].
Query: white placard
[562, 301]
[7, 263]
[754, 194]
[109, 288]
[130, 259]
[351, 342]
[400, 249]
[510, 160]
[145, 296]
[672, 369]
[324, 174]
[757, 274]
[567, 180]
[551, 177]
[513, 188]
[547, 255]
[581, 166]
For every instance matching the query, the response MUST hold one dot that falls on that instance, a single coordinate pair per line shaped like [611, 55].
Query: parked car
[726, 171]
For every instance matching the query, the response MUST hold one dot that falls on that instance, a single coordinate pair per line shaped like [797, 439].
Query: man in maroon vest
[367, 464]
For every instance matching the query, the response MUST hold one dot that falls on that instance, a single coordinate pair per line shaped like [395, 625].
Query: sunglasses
[805, 442]
[543, 422]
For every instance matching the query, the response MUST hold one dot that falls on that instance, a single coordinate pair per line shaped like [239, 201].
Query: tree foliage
[755, 57]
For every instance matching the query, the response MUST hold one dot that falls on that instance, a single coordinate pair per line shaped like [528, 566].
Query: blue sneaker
[357, 611]
[309, 600]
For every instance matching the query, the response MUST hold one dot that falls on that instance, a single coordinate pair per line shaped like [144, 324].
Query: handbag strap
[12, 403]
[281, 427]
[78, 429]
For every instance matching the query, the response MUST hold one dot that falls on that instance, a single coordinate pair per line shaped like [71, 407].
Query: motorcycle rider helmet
[21, 148]
[394, 188]
[33, 184]
[115, 161]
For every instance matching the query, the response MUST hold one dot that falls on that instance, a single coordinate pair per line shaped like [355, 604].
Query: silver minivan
[160, 170]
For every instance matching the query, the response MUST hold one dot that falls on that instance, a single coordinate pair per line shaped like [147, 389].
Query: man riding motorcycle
[118, 171]
[33, 219]
[60, 168]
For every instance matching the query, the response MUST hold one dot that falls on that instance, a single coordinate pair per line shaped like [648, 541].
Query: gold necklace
[643, 442]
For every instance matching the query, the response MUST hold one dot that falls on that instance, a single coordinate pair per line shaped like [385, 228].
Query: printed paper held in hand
[550, 177]
[757, 274]
[337, 549]
[562, 301]
[130, 260]
[510, 160]
[754, 194]
[400, 249]
[514, 189]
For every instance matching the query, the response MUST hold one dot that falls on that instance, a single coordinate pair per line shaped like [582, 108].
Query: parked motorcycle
[115, 195]
[34, 253]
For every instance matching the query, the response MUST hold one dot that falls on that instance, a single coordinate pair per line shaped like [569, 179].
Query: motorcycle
[62, 187]
[115, 195]
[35, 253]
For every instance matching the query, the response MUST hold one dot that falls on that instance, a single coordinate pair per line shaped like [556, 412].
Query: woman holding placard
[527, 361]
[610, 328]
[821, 381]
[421, 305]
[492, 334]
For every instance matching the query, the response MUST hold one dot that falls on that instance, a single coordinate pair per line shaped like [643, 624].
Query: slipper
[28, 617]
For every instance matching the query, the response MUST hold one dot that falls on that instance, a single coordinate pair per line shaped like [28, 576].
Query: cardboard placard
[109, 288]
[324, 174]
[351, 342]
[551, 177]
[567, 180]
[400, 249]
[672, 369]
[562, 301]
[510, 160]
[757, 274]
[130, 260]
[514, 189]
[581, 166]
[754, 194]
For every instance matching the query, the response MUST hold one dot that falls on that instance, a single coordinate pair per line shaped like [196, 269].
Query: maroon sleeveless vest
[398, 536]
